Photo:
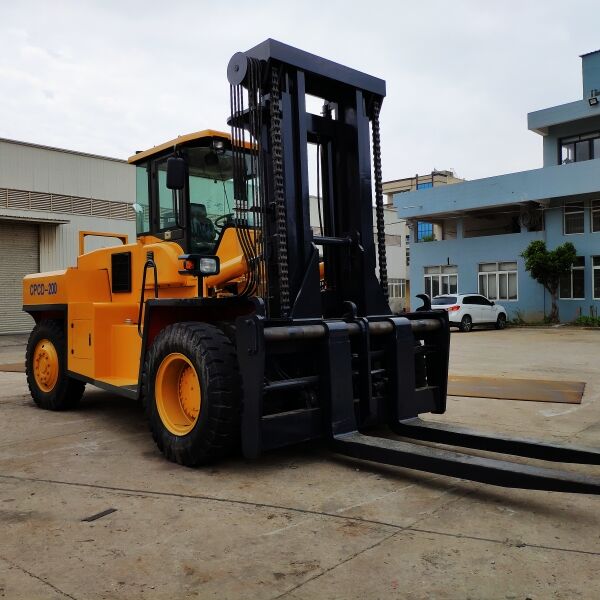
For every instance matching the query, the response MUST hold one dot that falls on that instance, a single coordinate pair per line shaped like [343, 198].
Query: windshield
[443, 300]
[211, 196]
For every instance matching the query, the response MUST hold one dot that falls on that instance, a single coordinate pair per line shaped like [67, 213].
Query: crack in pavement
[29, 441]
[378, 543]
[154, 494]
[34, 576]
[328, 570]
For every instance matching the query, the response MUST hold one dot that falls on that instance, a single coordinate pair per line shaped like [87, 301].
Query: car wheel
[466, 324]
[501, 321]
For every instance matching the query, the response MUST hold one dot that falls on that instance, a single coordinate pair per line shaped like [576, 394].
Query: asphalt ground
[298, 523]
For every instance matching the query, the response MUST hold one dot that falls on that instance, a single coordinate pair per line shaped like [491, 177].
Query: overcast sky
[111, 77]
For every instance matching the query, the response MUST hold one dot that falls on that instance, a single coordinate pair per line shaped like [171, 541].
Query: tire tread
[211, 350]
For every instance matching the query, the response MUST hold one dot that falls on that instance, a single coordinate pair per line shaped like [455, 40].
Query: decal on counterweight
[41, 289]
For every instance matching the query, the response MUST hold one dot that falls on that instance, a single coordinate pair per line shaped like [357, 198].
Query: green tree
[428, 238]
[546, 267]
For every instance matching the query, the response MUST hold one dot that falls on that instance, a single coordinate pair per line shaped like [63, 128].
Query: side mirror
[176, 173]
[493, 303]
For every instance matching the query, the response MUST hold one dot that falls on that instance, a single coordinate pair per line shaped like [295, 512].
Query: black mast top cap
[309, 63]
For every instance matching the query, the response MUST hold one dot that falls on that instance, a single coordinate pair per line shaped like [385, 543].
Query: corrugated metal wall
[48, 170]
[59, 244]
[48, 195]
[19, 255]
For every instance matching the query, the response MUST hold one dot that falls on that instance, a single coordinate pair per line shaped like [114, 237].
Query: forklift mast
[277, 79]
[322, 356]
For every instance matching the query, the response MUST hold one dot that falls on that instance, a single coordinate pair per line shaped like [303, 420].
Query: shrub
[585, 321]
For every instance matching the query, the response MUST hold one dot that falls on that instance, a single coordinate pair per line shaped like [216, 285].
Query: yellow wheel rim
[45, 365]
[177, 393]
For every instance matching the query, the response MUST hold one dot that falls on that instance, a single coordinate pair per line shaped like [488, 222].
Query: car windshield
[211, 195]
[443, 300]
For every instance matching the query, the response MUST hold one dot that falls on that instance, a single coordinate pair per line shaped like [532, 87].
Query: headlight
[196, 264]
[209, 265]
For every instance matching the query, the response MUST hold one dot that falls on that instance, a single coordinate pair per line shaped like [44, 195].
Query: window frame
[497, 273]
[574, 268]
[582, 211]
[577, 139]
[594, 209]
[594, 270]
[401, 283]
[440, 275]
[422, 225]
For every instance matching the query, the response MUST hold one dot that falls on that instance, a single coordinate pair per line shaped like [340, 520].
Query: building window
[424, 185]
[595, 215]
[572, 284]
[424, 230]
[441, 280]
[580, 147]
[498, 280]
[573, 217]
[596, 276]
[397, 288]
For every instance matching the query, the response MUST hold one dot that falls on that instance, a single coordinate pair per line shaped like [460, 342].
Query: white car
[467, 310]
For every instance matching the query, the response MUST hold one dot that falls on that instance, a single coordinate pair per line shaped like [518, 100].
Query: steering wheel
[223, 220]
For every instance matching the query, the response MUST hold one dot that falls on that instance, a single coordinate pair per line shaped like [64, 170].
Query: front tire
[466, 324]
[192, 392]
[501, 321]
[46, 368]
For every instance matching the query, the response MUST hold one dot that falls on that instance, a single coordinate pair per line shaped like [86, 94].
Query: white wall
[396, 255]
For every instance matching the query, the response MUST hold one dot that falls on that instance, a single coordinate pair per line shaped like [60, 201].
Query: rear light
[453, 308]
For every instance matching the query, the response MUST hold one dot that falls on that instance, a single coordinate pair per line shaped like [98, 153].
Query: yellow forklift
[239, 326]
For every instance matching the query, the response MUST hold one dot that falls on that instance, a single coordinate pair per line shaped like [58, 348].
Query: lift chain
[279, 195]
[383, 279]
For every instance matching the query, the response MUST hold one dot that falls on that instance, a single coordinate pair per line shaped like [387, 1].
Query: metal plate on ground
[501, 388]
[13, 368]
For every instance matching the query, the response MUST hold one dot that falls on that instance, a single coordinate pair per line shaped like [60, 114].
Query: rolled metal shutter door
[19, 256]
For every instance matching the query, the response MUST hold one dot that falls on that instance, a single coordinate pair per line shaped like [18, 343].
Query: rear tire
[501, 321]
[466, 324]
[46, 368]
[192, 426]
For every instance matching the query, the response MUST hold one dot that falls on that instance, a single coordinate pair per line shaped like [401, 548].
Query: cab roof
[178, 141]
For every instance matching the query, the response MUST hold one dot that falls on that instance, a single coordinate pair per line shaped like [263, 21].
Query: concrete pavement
[299, 523]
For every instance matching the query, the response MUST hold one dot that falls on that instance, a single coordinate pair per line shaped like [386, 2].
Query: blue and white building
[482, 226]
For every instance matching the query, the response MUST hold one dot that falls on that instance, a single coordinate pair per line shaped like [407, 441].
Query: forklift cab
[184, 191]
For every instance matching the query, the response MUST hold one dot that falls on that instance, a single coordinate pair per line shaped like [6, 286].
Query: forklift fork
[347, 440]
[414, 350]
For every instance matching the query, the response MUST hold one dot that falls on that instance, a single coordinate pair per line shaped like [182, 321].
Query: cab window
[211, 196]
[167, 216]
[142, 200]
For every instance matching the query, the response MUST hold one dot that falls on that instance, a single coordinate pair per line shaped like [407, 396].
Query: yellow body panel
[102, 330]
[124, 356]
[233, 263]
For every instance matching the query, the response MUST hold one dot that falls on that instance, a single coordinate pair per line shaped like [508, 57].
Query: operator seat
[203, 229]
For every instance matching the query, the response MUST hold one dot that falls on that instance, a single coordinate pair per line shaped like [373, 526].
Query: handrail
[83, 234]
